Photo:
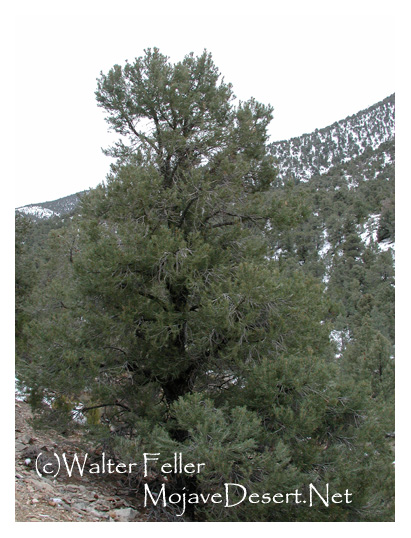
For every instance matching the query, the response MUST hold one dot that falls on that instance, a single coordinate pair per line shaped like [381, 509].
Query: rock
[73, 488]
[80, 506]
[31, 452]
[48, 481]
[103, 507]
[123, 514]
[62, 498]
[96, 514]
[41, 486]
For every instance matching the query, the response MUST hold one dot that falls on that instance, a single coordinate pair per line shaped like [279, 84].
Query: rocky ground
[64, 498]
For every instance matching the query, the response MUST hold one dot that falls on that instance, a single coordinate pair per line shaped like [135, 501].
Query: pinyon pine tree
[175, 319]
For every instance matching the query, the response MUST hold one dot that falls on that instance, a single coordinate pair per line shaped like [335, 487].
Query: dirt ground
[64, 498]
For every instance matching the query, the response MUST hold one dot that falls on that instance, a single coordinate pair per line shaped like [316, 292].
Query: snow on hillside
[368, 233]
[37, 211]
[326, 245]
[55, 208]
[315, 153]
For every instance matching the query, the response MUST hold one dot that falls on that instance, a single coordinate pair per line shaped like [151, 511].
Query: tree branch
[183, 216]
[115, 349]
[117, 404]
[229, 223]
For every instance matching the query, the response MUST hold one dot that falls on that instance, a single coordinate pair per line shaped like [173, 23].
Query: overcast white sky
[316, 62]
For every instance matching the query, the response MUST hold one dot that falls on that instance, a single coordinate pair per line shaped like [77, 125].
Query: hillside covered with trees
[221, 297]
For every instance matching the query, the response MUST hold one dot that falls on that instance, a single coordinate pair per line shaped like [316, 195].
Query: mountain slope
[56, 208]
[315, 153]
[300, 158]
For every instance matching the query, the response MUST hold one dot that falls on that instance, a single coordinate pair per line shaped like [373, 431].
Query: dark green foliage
[168, 304]
[24, 273]
[23, 269]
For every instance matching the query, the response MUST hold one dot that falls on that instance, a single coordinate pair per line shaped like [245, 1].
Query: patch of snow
[277, 254]
[368, 231]
[37, 211]
[386, 244]
[351, 182]
[326, 245]
[77, 415]
[334, 137]
[48, 401]
[20, 391]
